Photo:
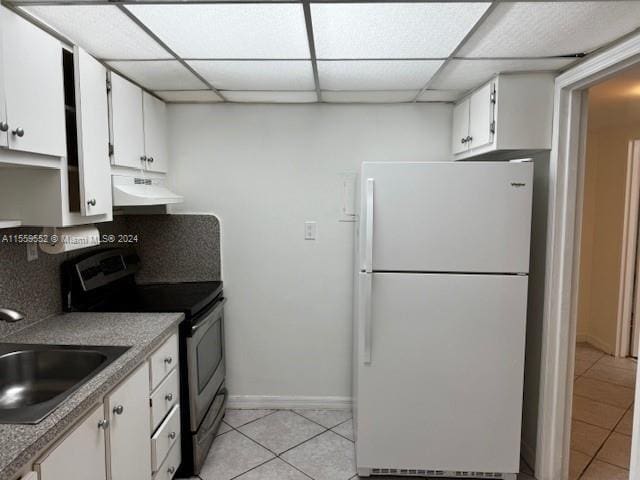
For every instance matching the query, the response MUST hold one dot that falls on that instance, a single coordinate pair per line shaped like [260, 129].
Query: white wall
[264, 170]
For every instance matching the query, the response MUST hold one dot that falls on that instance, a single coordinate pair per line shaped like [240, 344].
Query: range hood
[135, 191]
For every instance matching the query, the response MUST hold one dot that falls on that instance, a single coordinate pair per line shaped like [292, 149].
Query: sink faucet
[8, 315]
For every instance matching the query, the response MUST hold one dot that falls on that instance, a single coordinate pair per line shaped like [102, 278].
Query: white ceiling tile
[440, 95]
[200, 96]
[257, 75]
[376, 74]
[230, 30]
[526, 29]
[102, 30]
[159, 74]
[468, 74]
[393, 96]
[271, 97]
[392, 30]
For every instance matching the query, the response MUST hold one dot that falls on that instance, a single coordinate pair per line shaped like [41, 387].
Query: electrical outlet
[32, 252]
[310, 230]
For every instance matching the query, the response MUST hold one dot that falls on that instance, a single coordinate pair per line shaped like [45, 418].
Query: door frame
[560, 305]
[629, 257]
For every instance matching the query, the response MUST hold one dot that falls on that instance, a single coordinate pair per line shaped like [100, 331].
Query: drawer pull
[172, 435]
[168, 360]
[118, 409]
[171, 470]
[168, 397]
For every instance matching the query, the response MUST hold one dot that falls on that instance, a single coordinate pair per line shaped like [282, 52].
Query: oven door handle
[212, 316]
[218, 403]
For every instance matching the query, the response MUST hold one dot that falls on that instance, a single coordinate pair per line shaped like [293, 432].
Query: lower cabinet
[127, 407]
[81, 455]
[133, 435]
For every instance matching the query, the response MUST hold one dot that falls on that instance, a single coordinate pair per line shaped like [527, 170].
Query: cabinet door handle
[118, 409]
[469, 139]
[168, 360]
[143, 158]
[4, 126]
[172, 435]
[168, 397]
[103, 424]
[92, 202]
[150, 159]
[18, 132]
[171, 470]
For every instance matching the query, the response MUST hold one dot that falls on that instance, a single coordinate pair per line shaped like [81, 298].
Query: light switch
[310, 230]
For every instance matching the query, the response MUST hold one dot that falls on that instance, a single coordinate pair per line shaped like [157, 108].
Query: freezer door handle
[368, 243]
[367, 318]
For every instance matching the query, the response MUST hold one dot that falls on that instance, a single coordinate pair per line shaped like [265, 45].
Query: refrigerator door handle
[368, 247]
[367, 320]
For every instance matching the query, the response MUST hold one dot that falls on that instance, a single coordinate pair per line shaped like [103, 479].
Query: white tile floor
[603, 396]
[286, 445]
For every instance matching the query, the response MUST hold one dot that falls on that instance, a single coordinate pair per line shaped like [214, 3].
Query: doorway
[604, 371]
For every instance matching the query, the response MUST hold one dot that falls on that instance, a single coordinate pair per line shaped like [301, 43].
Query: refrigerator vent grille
[436, 473]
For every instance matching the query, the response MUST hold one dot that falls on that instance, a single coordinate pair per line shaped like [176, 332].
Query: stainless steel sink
[34, 379]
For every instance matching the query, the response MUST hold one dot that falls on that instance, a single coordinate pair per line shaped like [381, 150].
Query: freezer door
[446, 216]
[443, 389]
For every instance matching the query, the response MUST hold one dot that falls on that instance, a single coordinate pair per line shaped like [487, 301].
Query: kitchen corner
[171, 248]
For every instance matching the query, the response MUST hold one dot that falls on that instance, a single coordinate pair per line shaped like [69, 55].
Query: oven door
[205, 361]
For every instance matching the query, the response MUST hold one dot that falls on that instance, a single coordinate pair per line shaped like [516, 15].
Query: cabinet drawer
[165, 437]
[165, 397]
[163, 360]
[168, 469]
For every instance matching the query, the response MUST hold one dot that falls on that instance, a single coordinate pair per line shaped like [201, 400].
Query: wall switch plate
[310, 230]
[32, 252]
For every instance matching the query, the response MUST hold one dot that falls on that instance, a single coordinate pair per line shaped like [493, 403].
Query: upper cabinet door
[92, 114]
[460, 130]
[128, 410]
[481, 117]
[126, 123]
[33, 82]
[155, 133]
[4, 125]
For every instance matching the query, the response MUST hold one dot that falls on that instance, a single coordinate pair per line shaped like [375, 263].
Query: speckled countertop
[143, 332]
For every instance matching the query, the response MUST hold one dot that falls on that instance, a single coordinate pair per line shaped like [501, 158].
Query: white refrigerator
[442, 257]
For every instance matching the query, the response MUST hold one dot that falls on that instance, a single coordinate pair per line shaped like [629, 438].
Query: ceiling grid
[338, 50]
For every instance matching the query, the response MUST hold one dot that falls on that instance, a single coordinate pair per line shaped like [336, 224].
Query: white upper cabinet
[4, 125]
[92, 118]
[139, 127]
[33, 87]
[128, 410]
[127, 125]
[511, 114]
[155, 133]
[460, 129]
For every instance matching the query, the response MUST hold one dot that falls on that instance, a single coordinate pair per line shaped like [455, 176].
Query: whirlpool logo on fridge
[518, 184]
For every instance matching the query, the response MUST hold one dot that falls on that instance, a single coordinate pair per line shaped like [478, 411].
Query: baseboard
[528, 454]
[594, 342]
[283, 402]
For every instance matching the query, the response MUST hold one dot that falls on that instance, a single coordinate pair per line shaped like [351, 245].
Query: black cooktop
[104, 281]
[189, 298]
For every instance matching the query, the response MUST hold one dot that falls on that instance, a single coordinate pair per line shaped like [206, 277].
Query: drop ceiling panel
[440, 95]
[257, 75]
[102, 30]
[228, 31]
[527, 29]
[392, 30]
[200, 96]
[397, 96]
[271, 97]
[159, 74]
[376, 74]
[468, 74]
